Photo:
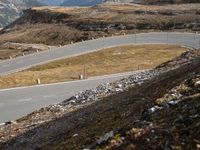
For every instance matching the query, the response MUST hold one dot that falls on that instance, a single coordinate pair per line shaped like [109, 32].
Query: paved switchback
[24, 62]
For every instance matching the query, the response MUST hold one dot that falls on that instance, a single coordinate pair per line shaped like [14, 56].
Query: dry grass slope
[108, 61]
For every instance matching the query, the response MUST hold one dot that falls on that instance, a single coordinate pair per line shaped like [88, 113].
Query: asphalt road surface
[18, 102]
[24, 62]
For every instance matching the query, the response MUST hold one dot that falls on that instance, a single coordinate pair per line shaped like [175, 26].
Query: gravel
[107, 89]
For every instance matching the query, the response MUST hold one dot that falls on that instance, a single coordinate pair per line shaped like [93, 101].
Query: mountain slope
[53, 2]
[169, 1]
[80, 2]
[92, 2]
[11, 9]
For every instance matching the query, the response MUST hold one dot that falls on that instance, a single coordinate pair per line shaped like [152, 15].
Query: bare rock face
[12, 9]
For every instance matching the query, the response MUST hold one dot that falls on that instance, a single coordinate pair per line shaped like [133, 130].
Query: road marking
[24, 100]
[48, 96]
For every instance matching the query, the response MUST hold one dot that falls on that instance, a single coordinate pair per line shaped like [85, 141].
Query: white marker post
[167, 38]
[80, 77]
[38, 81]
[135, 39]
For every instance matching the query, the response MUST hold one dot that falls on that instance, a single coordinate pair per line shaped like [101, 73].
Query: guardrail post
[10, 57]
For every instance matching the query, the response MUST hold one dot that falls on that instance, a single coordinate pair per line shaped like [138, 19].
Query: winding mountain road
[24, 62]
[17, 102]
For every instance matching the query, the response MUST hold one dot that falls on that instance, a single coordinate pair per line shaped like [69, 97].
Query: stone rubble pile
[177, 94]
[108, 89]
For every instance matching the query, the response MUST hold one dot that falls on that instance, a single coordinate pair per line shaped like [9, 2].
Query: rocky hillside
[169, 1]
[123, 1]
[155, 109]
[154, 1]
[54, 25]
[12, 9]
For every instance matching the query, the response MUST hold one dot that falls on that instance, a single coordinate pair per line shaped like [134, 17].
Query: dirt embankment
[137, 115]
[54, 26]
[169, 1]
[12, 50]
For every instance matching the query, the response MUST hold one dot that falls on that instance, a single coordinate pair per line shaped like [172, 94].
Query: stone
[173, 102]
[105, 137]
[154, 109]
[197, 83]
[75, 135]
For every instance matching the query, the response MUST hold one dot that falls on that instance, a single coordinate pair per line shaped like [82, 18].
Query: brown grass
[108, 61]
[117, 7]
[5, 53]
